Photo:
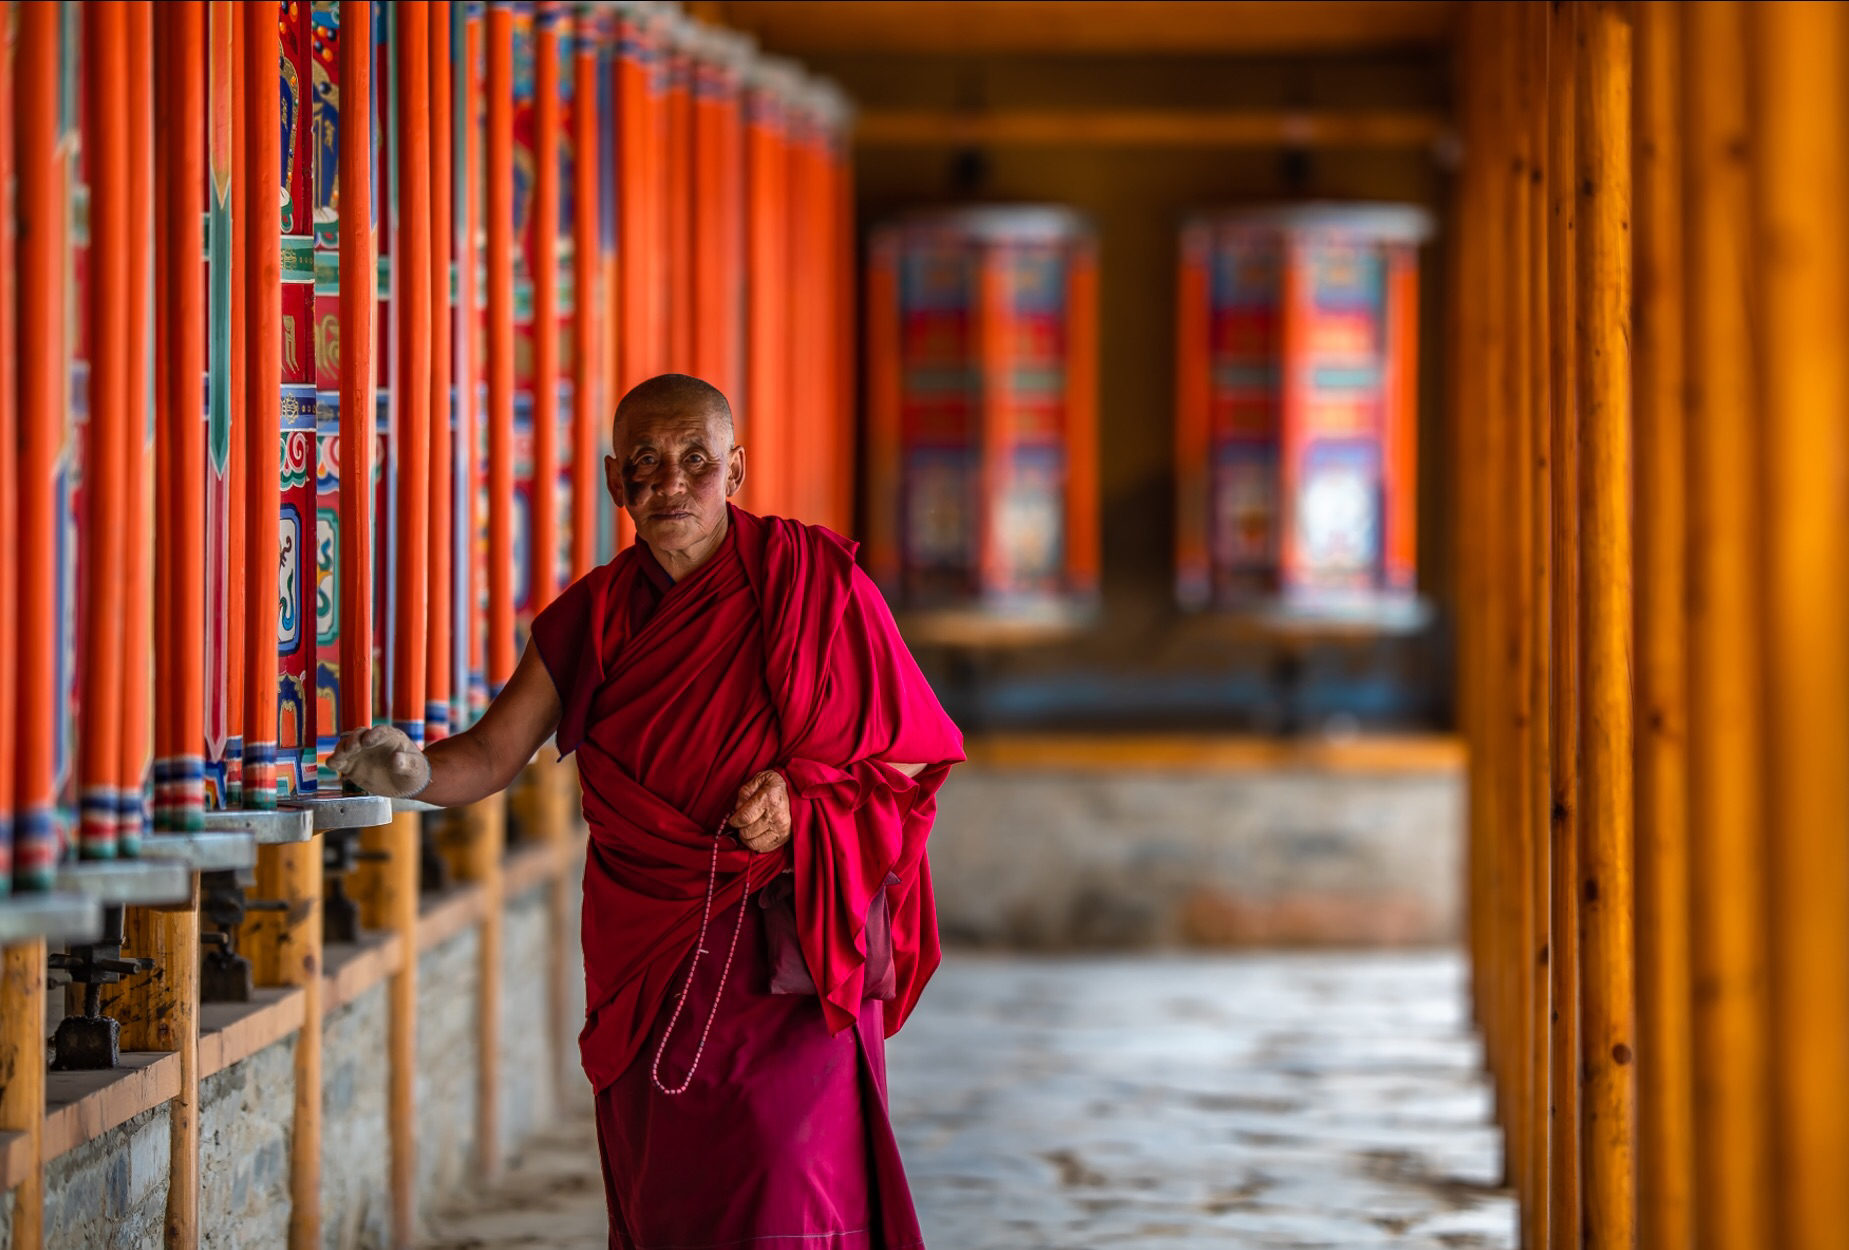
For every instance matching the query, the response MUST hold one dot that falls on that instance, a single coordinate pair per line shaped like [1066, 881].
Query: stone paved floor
[1161, 1103]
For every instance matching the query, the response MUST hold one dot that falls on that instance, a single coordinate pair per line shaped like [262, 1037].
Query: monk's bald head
[672, 397]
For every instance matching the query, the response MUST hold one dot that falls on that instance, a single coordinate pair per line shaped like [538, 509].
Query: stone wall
[245, 1130]
[448, 984]
[528, 1086]
[356, 1164]
[112, 1191]
[1047, 859]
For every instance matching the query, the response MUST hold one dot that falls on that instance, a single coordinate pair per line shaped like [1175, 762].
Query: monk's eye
[695, 460]
[643, 462]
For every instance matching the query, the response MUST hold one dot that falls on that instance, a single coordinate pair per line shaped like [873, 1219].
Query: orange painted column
[106, 529]
[678, 203]
[718, 217]
[764, 411]
[1733, 1161]
[994, 299]
[472, 685]
[412, 304]
[804, 450]
[500, 502]
[228, 553]
[439, 662]
[358, 312]
[543, 547]
[845, 340]
[262, 125]
[1083, 547]
[181, 560]
[1800, 97]
[136, 746]
[587, 381]
[640, 220]
[9, 520]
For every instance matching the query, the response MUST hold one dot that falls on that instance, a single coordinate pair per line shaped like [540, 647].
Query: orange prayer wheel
[981, 411]
[1297, 407]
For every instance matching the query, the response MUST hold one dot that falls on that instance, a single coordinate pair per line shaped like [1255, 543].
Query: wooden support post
[1535, 469]
[1801, 96]
[1732, 1158]
[483, 828]
[1563, 1171]
[1665, 1146]
[22, 1080]
[1608, 1027]
[1516, 635]
[563, 810]
[388, 901]
[285, 950]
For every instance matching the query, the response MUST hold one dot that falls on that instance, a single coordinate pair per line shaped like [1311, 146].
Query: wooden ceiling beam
[1085, 27]
[1152, 128]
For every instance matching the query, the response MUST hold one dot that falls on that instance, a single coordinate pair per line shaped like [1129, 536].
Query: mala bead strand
[706, 915]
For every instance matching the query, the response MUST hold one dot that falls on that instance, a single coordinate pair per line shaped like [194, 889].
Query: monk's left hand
[761, 817]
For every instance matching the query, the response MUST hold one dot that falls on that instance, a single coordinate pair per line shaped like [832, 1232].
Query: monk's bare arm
[910, 770]
[488, 756]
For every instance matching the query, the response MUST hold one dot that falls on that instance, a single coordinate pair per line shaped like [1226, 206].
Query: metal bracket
[144, 882]
[268, 827]
[57, 918]
[343, 811]
[202, 852]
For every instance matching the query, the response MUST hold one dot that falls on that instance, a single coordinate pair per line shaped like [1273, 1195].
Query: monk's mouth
[672, 516]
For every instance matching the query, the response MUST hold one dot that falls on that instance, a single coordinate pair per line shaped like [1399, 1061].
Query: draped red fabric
[777, 653]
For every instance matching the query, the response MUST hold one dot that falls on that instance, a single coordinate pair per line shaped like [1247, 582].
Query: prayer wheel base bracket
[91, 1041]
[266, 828]
[340, 855]
[127, 881]
[57, 918]
[342, 811]
[224, 975]
[202, 852]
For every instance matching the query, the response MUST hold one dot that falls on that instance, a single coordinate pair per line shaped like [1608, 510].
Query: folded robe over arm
[777, 653]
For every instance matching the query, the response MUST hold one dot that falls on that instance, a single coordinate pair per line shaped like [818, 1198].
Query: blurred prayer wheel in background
[1297, 412]
[982, 372]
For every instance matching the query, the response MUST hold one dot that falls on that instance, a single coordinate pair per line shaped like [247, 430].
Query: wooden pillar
[22, 1080]
[285, 949]
[1563, 1172]
[484, 839]
[763, 413]
[9, 518]
[388, 898]
[1665, 1146]
[1083, 542]
[1799, 79]
[1608, 1028]
[1536, 469]
[106, 465]
[1732, 1158]
[497, 176]
[358, 313]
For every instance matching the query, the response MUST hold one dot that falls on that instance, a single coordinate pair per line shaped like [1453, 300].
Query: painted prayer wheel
[982, 332]
[1297, 410]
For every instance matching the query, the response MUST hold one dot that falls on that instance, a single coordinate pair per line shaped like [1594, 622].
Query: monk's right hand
[381, 760]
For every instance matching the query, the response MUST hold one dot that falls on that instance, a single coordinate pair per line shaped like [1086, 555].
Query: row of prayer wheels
[1296, 412]
[411, 332]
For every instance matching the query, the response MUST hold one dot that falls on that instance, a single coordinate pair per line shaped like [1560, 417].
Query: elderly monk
[759, 757]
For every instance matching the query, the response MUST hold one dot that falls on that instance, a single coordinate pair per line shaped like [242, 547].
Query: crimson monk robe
[760, 758]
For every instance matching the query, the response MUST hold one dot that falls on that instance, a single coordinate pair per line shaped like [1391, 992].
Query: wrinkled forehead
[671, 430]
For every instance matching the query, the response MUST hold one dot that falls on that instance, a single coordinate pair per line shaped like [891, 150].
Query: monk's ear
[734, 471]
[613, 479]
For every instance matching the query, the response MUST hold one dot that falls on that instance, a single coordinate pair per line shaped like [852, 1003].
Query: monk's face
[672, 472]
